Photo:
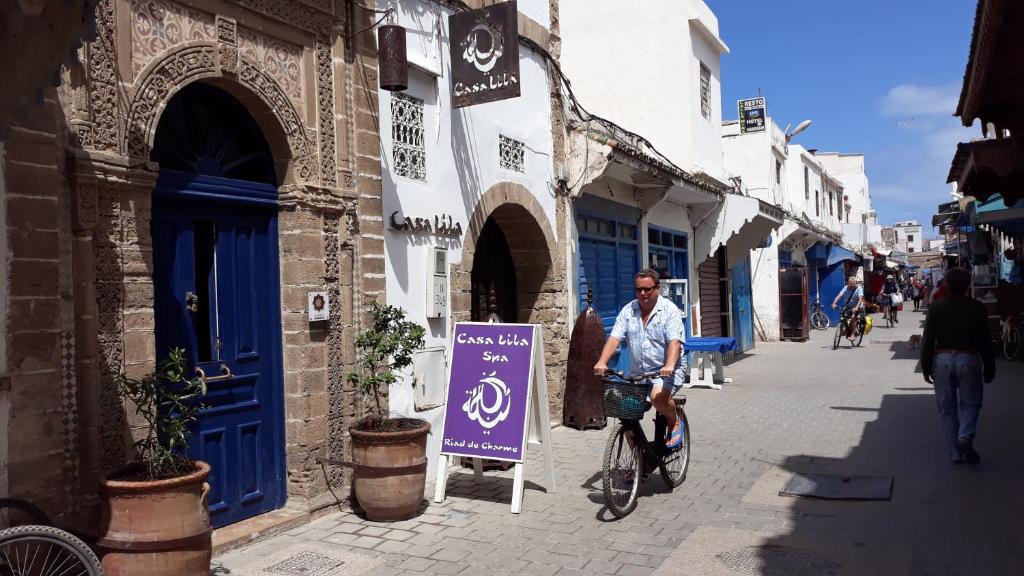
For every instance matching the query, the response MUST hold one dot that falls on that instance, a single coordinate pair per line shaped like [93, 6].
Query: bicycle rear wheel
[621, 475]
[675, 464]
[45, 551]
[1011, 343]
[15, 512]
[819, 320]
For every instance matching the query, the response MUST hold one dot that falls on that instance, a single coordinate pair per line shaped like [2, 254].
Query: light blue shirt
[858, 293]
[648, 345]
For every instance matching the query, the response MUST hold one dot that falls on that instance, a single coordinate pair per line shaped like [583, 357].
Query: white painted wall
[462, 164]
[650, 82]
[906, 230]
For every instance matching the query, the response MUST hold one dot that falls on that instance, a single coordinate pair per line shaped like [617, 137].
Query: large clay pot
[390, 471]
[156, 528]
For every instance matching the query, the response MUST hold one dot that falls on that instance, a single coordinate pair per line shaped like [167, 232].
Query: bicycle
[819, 320]
[1011, 335]
[629, 457]
[29, 546]
[843, 328]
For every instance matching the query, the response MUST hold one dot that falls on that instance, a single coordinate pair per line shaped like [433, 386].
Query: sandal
[676, 439]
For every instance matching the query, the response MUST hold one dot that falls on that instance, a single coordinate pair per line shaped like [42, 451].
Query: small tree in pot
[155, 518]
[389, 454]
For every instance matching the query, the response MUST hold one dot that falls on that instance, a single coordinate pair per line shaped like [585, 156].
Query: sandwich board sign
[496, 401]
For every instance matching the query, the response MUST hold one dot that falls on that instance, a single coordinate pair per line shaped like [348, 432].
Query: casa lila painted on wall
[488, 391]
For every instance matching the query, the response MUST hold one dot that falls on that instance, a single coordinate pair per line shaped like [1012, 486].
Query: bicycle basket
[625, 401]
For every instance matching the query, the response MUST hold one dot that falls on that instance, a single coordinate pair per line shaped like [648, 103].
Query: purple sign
[488, 391]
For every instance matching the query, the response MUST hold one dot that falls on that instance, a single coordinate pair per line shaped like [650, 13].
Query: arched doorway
[493, 276]
[217, 291]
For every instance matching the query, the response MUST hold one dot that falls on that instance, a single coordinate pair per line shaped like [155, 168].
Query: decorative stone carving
[290, 12]
[325, 104]
[227, 45]
[103, 81]
[69, 419]
[85, 205]
[335, 362]
[158, 26]
[280, 60]
[163, 77]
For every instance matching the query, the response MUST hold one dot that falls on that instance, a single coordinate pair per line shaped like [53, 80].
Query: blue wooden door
[742, 311]
[607, 269]
[215, 274]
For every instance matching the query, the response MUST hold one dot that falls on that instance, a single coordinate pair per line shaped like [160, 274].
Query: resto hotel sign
[484, 54]
[497, 402]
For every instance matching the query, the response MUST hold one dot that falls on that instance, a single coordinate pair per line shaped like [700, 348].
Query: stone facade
[78, 197]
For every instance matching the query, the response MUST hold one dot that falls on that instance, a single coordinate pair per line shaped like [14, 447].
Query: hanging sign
[496, 401]
[485, 54]
[752, 115]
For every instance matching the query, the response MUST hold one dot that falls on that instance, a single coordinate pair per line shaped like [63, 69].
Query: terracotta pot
[390, 471]
[156, 528]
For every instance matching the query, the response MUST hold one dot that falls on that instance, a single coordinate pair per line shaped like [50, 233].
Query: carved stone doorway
[494, 277]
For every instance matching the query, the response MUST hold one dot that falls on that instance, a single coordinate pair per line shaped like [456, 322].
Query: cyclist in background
[888, 290]
[653, 328]
[854, 293]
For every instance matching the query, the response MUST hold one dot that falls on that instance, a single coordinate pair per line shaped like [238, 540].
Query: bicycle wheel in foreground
[621, 475]
[840, 327]
[675, 464]
[1011, 343]
[819, 320]
[45, 551]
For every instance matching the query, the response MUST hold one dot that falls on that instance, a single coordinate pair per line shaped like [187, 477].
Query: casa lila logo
[488, 414]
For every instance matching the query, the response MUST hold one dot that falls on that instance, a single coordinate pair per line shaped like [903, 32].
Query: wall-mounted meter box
[677, 290]
[437, 283]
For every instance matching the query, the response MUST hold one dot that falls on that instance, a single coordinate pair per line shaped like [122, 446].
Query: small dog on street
[915, 341]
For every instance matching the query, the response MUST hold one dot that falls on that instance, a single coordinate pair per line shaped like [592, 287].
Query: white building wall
[462, 163]
[649, 84]
[907, 230]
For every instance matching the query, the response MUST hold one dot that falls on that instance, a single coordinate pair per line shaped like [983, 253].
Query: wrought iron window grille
[407, 136]
[512, 154]
[705, 91]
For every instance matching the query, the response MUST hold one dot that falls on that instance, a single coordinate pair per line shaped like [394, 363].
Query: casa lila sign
[489, 391]
[485, 54]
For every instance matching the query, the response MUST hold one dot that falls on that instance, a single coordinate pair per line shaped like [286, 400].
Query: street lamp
[799, 128]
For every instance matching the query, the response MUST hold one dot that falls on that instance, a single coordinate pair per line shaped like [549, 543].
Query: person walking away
[888, 290]
[916, 290]
[957, 355]
[851, 293]
[653, 328]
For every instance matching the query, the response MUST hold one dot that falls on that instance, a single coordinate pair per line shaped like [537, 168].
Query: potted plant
[389, 454]
[154, 517]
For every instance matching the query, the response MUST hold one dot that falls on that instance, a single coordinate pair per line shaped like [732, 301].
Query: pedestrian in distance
[957, 356]
[653, 328]
[916, 290]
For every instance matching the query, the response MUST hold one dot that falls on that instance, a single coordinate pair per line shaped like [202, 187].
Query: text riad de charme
[449, 443]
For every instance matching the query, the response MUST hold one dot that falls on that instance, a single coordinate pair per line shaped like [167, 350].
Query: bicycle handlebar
[632, 379]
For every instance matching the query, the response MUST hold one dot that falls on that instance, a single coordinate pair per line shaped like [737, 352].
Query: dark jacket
[957, 323]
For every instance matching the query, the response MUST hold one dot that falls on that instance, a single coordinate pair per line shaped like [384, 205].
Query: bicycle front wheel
[819, 320]
[675, 464]
[45, 551]
[621, 476]
[840, 328]
[1011, 343]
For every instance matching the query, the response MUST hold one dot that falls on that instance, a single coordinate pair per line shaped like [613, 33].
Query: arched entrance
[494, 277]
[216, 290]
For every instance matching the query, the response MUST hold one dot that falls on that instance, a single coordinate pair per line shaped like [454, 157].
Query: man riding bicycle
[653, 328]
[852, 292]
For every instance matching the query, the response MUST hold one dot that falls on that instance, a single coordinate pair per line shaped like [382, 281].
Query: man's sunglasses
[647, 290]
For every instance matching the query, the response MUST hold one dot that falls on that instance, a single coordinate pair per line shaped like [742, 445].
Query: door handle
[191, 302]
[225, 374]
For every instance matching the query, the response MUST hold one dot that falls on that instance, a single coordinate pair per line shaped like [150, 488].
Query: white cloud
[915, 100]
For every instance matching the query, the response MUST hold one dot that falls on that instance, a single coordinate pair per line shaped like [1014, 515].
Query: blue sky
[878, 77]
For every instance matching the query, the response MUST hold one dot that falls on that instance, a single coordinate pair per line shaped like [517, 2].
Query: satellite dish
[799, 128]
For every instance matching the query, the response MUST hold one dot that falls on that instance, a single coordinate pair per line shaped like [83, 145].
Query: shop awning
[837, 254]
[996, 212]
[891, 264]
[740, 223]
[797, 238]
[983, 168]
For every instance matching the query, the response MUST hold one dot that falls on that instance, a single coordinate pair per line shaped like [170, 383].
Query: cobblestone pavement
[791, 407]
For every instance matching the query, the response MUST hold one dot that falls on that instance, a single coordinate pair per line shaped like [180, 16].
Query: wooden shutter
[710, 297]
